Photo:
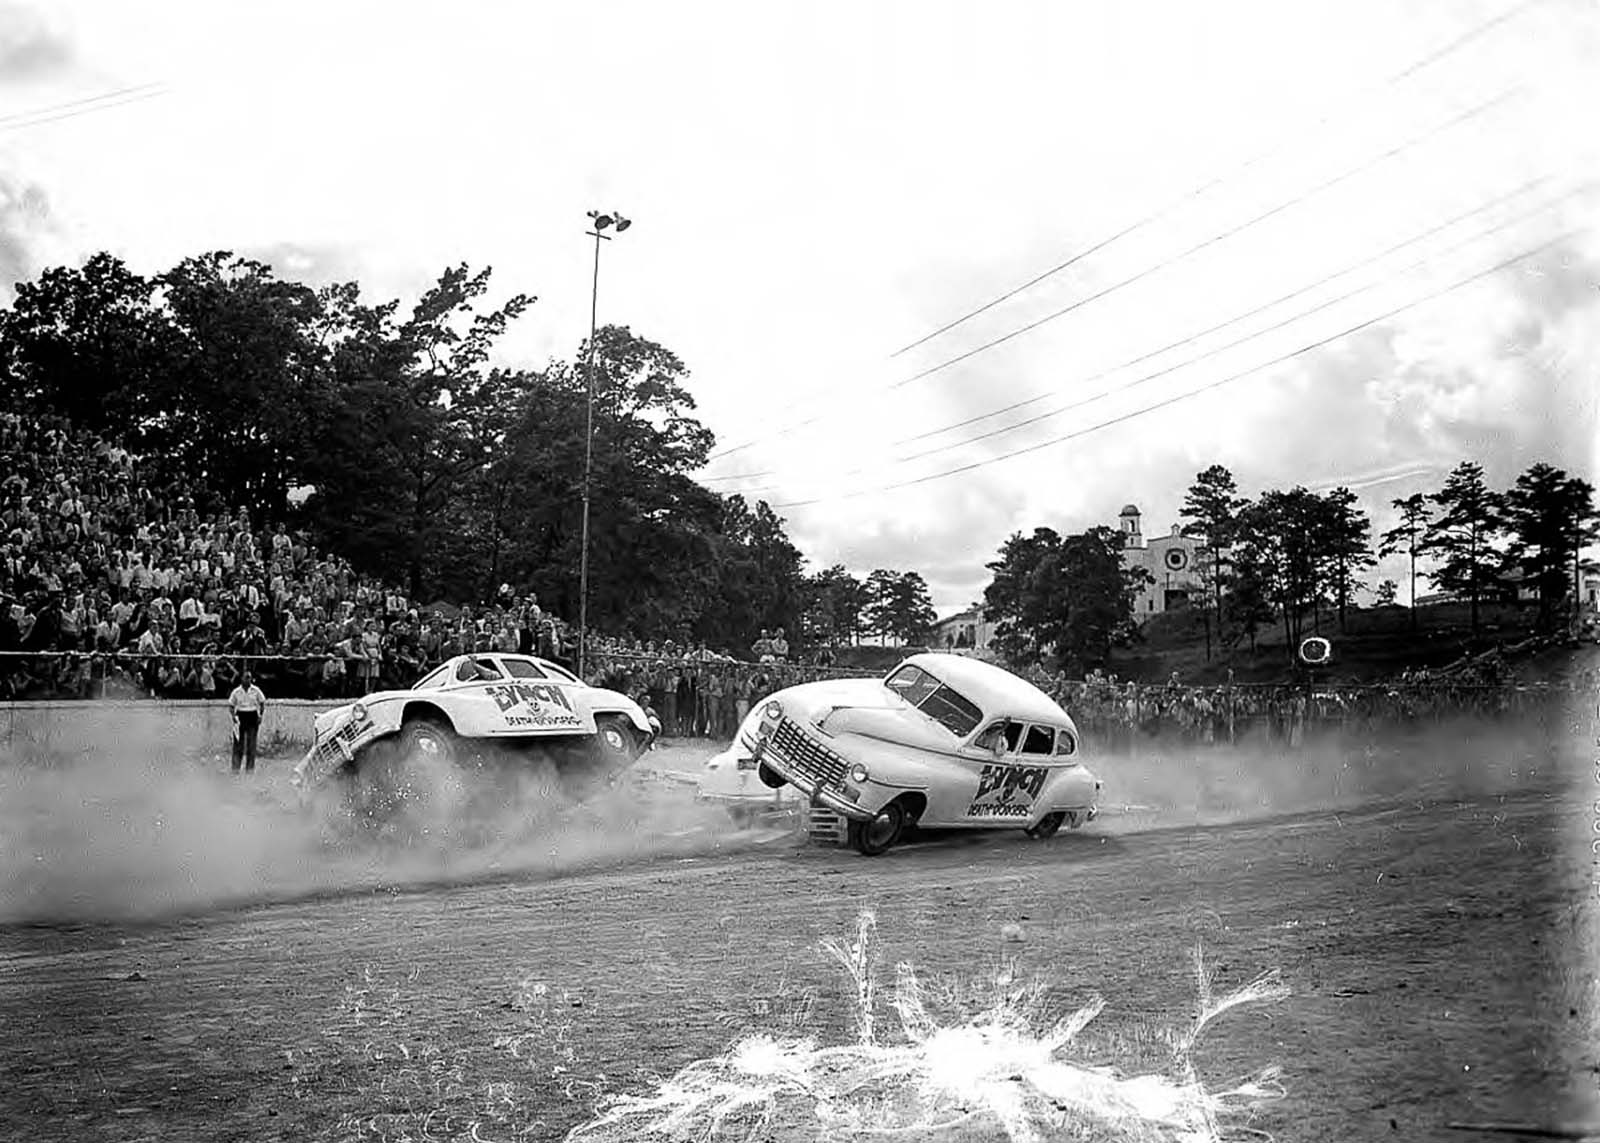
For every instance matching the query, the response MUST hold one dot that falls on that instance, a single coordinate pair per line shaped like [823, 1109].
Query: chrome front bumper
[814, 788]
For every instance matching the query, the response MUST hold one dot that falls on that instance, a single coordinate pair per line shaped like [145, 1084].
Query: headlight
[858, 773]
[358, 712]
[773, 710]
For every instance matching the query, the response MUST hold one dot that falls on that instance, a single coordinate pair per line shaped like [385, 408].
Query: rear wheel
[876, 836]
[1046, 827]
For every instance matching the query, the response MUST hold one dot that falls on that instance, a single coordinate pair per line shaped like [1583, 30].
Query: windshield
[433, 680]
[949, 708]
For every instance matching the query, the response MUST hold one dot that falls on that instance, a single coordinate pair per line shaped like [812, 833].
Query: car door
[1009, 785]
[967, 771]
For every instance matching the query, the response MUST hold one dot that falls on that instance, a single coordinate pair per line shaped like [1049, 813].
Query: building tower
[1129, 518]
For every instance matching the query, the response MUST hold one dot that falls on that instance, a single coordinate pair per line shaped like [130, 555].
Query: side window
[1013, 736]
[476, 670]
[1040, 740]
[1065, 744]
[522, 669]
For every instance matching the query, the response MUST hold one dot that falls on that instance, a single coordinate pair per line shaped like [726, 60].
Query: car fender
[891, 765]
[1071, 788]
[599, 701]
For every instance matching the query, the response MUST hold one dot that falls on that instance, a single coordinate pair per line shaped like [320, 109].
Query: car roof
[452, 663]
[993, 688]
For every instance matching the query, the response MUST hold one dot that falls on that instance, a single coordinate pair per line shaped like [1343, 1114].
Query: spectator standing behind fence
[245, 704]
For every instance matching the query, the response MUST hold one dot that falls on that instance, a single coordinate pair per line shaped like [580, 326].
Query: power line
[1399, 149]
[1193, 392]
[1195, 336]
[1475, 236]
[1161, 212]
[1413, 141]
[73, 108]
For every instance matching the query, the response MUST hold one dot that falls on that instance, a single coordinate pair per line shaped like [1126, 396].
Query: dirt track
[1434, 946]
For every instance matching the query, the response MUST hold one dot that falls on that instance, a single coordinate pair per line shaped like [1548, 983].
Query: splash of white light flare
[999, 1071]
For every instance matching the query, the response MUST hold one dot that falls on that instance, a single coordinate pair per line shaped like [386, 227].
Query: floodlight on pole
[601, 222]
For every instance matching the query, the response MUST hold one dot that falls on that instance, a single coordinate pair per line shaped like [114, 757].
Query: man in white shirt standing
[246, 704]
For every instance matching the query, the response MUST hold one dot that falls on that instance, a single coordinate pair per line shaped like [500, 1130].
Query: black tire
[383, 788]
[877, 836]
[615, 742]
[1047, 827]
[429, 739]
[770, 778]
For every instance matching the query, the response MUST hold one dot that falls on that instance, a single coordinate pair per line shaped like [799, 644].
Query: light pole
[601, 223]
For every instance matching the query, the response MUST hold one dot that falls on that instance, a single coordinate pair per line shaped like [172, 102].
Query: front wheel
[876, 836]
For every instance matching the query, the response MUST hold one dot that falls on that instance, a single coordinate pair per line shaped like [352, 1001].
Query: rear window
[1040, 740]
[559, 673]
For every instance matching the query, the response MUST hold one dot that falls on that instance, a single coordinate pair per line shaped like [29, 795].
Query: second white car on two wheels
[514, 702]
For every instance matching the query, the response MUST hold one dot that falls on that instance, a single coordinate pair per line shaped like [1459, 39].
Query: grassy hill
[1377, 643]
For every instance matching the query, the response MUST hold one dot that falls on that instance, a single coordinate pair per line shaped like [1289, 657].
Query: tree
[249, 365]
[1385, 593]
[841, 599]
[1550, 516]
[93, 344]
[1408, 536]
[1462, 536]
[900, 606]
[1248, 604]
[412, 416]
[1345, 545]
[1280, 536]
[1212, 506]
[1071, 598]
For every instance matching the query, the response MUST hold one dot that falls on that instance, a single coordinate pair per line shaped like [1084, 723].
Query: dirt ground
[1430, 906]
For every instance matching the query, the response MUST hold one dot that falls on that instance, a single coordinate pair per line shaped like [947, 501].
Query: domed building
[1173, 562]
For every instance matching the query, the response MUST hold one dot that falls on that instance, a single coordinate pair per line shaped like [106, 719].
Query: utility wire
[1295, 136]
[1398, 149]
[1193, 392]
[1082, 401]
[1198, 334]
[1443, 51]
[73, 108]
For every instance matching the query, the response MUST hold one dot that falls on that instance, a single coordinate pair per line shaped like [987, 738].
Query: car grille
[328, 752]
[806, 759]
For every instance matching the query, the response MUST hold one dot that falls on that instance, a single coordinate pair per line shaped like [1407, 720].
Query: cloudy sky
[1397, 188]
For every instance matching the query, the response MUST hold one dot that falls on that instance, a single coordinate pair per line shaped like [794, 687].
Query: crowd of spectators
[119, 579]
[1120, 711]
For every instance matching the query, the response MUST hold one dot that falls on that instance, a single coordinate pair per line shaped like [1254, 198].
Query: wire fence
[708, 698]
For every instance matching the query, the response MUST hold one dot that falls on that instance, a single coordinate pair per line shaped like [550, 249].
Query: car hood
[863, 707]
[808, 701]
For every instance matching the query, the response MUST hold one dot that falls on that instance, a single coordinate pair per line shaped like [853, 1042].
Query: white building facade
[1173, 562]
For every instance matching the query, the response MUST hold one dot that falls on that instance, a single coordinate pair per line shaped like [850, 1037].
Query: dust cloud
[143, 831]
[1171, 783]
